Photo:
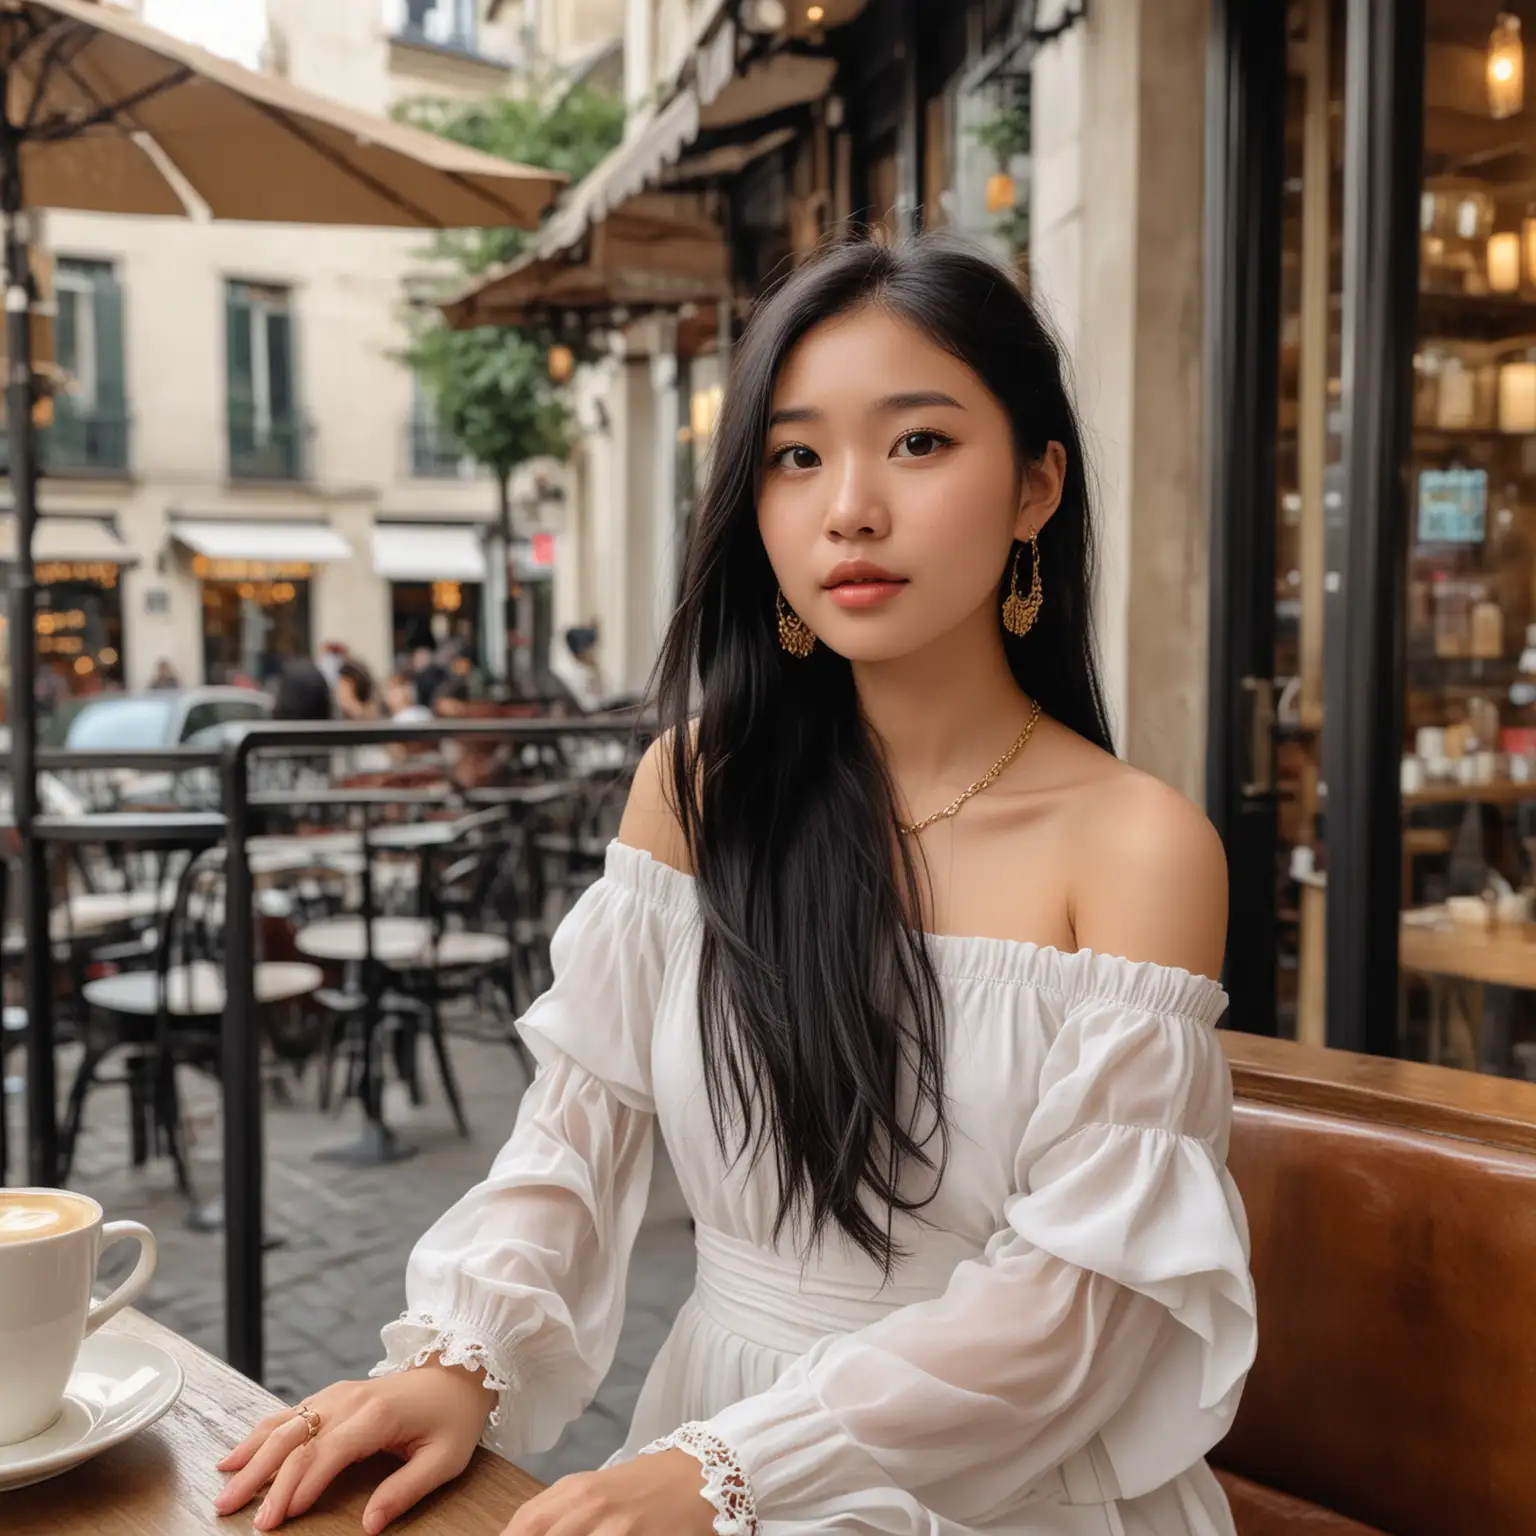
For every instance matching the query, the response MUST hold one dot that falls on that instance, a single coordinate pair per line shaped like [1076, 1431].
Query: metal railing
[431, 454]
[266, 450]
[244, 1168]
[78, 442]
[241, 1037]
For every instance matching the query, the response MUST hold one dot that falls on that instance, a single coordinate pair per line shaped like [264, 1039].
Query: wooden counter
[163, 1482]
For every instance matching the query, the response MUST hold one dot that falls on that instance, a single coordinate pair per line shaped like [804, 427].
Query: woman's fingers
[432, 1466]
[310, 1469]
[248, 1447]
[244, 1485]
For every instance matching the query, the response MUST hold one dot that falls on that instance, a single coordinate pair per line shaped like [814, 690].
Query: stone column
[1116, 199]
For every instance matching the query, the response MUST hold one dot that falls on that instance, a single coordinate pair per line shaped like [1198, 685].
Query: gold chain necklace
[987, 779]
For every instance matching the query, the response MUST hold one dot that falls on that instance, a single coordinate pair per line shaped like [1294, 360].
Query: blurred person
[333, 655]
[913, 976]
[428, 672]
[164, 676]
[356, 698]
[576, 668]
[400, 700]
[302, 693]
[452, 697]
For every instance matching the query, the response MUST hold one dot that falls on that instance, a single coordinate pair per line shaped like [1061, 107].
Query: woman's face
[891, 496]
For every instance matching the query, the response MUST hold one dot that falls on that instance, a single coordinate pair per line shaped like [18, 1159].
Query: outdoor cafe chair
[169, 1015]
[447, 950]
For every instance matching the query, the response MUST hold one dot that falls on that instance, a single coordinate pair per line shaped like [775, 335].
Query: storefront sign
[51, 573]
[250, 570]
[1453, 506]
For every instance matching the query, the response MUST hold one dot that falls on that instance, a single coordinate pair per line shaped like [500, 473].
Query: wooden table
[1502, 956]
[163, 1482]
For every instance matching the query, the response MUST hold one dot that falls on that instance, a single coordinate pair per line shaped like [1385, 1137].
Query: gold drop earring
[1021, 610]
[794, 633]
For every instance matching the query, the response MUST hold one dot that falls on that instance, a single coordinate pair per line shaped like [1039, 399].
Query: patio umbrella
[104, 114]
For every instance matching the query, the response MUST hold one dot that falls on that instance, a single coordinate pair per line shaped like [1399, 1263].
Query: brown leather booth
[1392, 1208]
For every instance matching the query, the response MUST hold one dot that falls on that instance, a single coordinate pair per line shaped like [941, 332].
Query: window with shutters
[89, 432]
[266, 430]
[440, 23]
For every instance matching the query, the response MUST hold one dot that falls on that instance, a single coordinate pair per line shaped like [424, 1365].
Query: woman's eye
[919, 445]
[795, 456]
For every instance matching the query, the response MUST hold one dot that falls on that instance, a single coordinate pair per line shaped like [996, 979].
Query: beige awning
[629, 169]
[771, 84]
[656, 250]
[75, 540]
[727, 159]
[266, 543]
[428, 552]
[122, 118]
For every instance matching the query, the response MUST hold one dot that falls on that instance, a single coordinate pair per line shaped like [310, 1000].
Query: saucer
[121, 1385]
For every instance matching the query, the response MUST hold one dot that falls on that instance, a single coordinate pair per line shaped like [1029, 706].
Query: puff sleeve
[524, 1277]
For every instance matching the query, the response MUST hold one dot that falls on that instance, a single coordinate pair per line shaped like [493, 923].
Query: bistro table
[162, 1482]
[1500, 958]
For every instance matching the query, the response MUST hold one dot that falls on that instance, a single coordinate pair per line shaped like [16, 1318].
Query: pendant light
[1506, 67]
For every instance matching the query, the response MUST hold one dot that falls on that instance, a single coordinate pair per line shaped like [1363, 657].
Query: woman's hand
[431, 1417]
[657, 1495]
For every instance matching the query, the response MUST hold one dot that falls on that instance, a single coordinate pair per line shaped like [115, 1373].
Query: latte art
[26, 1218]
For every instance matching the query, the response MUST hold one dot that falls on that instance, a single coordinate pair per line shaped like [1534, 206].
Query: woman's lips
[864, 594]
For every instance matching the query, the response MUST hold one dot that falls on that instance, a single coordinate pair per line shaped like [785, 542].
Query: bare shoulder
[1150, 879]
[650, 815]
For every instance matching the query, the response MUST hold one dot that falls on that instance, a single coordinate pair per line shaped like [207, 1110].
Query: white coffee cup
[51, 1241]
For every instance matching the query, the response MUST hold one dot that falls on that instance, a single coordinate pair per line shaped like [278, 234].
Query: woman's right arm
[519, 1287]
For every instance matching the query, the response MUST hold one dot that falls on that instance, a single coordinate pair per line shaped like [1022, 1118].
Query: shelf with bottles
[1477, 391]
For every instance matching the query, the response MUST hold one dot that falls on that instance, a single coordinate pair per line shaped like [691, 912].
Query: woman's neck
[946, 713]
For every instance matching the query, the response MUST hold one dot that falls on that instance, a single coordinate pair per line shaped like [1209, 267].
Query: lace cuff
[726, 1485]
[449, 1344]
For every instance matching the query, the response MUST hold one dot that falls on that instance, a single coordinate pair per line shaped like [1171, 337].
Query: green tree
[490, 387]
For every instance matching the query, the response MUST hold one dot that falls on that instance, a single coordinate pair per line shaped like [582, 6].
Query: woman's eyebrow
[794, 413]
[915, 399]
[909, 400]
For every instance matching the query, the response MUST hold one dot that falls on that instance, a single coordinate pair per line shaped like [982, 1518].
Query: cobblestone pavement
[345, 1233]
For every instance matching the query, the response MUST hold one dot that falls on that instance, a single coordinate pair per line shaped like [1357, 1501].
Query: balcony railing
[451, 30]
[78, 443]
[433, 455]
[459, 40]
[266, 450]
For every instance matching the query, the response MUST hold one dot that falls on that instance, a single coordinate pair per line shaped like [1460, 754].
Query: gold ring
[311, 1420]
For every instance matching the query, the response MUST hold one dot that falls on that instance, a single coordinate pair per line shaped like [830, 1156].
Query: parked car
[164, 718]
[182, 717]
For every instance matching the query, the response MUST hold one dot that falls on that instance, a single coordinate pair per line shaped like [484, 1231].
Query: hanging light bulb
[1506, 67]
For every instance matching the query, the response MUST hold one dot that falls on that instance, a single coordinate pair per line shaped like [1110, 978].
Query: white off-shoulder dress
[1067, 1339]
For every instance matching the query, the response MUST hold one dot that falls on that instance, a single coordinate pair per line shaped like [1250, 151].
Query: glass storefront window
[79, 622]
[1467, 944]
[252, 626]
[428, 613]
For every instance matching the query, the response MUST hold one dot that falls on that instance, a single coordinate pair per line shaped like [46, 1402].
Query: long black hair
[818, 1001]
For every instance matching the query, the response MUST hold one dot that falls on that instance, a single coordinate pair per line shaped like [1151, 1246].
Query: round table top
[403, 943]
[197, 990]
[407, 836]
[91, 912]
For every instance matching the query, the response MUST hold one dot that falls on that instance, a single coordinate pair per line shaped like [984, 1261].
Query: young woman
[914, 977]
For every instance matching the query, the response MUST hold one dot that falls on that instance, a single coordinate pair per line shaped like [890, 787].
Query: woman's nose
[857, 508]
